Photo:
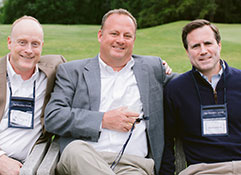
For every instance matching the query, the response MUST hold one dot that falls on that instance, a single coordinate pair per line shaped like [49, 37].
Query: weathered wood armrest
[33, 161]
[48, 165]
[179, 156]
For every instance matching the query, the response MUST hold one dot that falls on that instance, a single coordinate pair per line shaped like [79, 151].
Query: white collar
[109, 70]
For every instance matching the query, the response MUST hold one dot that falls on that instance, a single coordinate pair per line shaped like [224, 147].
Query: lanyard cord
[224, 81]
[10, 88]
[120, 154]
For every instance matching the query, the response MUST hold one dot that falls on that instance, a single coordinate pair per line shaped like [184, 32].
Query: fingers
[119, 119]
[127, 126]
[168, 69]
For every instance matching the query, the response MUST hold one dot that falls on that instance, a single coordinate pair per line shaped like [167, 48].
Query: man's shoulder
[147, 58]
[52, 59]
[3, 59]
[79, 66]
[235, 71]
[3, 63]
[180, 80]
[80, 62]
[152, 62]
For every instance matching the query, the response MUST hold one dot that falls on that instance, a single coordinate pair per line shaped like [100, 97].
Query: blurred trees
[147, 12]
[55, 11]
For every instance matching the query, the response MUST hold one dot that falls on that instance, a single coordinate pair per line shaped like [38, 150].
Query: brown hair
[120, 12]
[198, 23]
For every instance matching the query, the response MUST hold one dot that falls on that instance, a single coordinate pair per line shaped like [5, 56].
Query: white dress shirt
[16, 142]
[120, 89]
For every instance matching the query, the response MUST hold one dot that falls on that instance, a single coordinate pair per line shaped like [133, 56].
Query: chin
[117, 57]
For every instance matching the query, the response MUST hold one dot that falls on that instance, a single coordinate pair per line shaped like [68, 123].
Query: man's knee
[75, 149]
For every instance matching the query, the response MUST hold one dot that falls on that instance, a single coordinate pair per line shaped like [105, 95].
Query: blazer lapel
[141, 74]
[3, 85]
[48, 71]
[92, 77]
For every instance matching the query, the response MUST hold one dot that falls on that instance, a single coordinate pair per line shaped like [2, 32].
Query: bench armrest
[48, 165]
[179, 156]
[33, 161]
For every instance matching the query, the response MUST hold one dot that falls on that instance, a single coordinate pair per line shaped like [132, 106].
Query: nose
[203, 50]
[28, 48]
[120, 39]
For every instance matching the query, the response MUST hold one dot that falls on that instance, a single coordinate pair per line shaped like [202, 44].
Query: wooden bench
[35, 158]
[180, 160]
[44, 158]
[48, 165]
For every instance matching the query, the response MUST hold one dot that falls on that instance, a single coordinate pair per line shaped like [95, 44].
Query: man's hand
[168, 69]
[119, 119]
[9, 166]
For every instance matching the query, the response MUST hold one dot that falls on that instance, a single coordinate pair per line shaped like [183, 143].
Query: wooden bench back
[179, 156]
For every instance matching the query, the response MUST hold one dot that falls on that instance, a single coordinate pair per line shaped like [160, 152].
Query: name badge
[214, 120]
[19, 118]
[21, 112]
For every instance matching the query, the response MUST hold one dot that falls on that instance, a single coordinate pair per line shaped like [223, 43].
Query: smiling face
[204, 51]
[117, 40]
[25, 45]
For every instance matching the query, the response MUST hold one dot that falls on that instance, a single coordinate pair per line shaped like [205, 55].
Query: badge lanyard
[21, 110]
[120, 154]
[214, 118]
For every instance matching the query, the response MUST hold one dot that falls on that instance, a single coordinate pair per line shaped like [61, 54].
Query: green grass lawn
[80, 41]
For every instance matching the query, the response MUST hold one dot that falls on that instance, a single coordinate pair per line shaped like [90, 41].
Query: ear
[9, 42]
[99, 35]
[42, 44]
[187, 51]
[220, 45]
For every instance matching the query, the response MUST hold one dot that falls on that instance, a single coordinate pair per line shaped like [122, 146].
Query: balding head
[27, 22]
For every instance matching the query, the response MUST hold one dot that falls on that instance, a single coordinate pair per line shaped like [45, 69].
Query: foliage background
[147, 12]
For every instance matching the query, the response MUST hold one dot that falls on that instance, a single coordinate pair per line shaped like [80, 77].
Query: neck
[117, 68]
[26, 76]
[116, 65]
[211, 73]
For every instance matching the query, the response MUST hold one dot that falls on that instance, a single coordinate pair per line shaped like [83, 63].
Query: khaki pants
[79, 158]
[224, 168]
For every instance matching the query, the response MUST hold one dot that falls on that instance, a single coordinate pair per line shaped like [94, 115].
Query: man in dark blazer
[22, 66]
[96, 102]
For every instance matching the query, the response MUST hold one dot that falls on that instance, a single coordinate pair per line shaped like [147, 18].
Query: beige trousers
[224, 168]
[79, 158]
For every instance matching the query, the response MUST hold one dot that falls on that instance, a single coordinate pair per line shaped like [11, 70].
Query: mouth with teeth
[118, 48]
[27, 57]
